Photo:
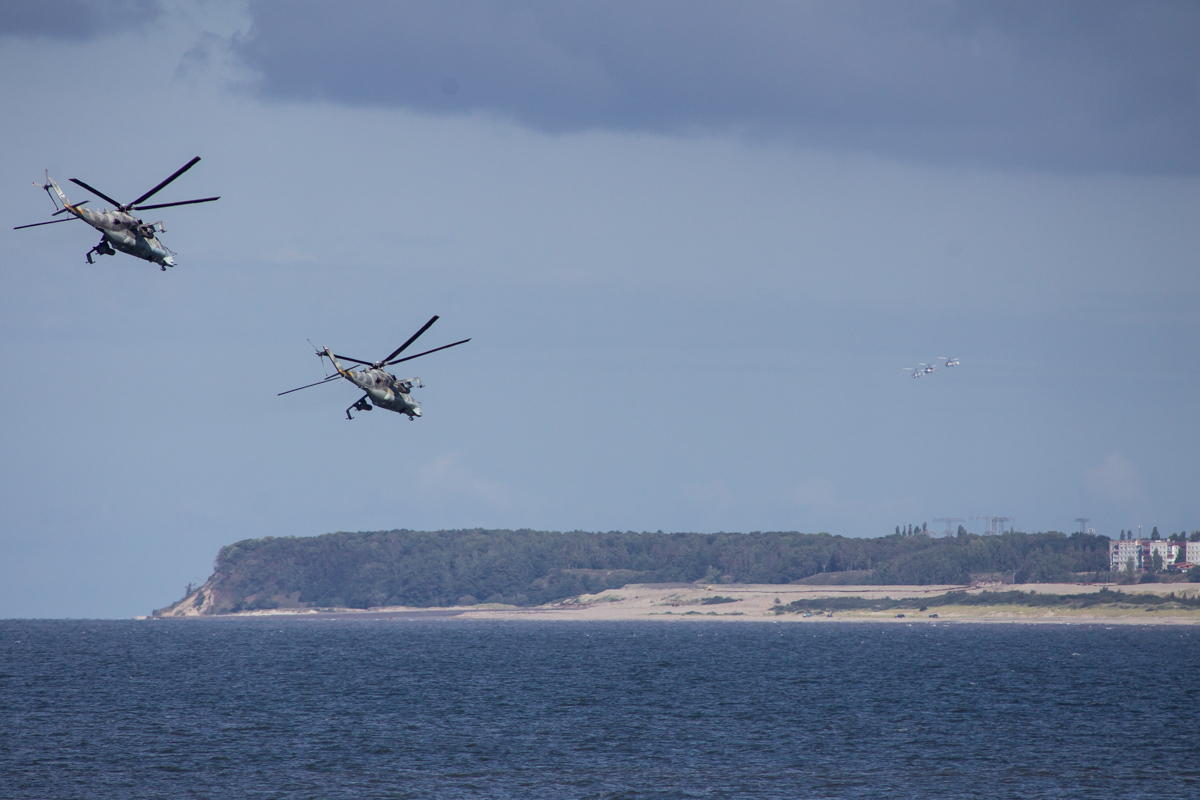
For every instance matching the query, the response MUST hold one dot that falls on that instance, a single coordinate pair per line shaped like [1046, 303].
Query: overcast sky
[694, 246]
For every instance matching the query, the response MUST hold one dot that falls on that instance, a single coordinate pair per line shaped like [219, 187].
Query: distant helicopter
[950, 362]
[921, 369]
[381, 387]
[119, 228]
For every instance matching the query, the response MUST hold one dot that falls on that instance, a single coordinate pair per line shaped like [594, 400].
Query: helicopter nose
[170, 262]
[416, 412]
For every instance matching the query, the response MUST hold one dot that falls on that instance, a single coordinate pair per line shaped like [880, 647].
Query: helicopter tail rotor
[45, 187]
[58, 200]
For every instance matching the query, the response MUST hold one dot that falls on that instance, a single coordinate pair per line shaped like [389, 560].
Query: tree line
[527, 567]
[1012, 598]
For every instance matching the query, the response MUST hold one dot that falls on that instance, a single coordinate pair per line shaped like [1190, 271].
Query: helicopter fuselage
[128, 234]
[383, 389]
[386, 391]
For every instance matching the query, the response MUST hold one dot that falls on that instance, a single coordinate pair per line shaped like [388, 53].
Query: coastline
[757, 603]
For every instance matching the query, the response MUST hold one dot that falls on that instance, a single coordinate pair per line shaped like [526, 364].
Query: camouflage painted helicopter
[380, 387]
[119, 229]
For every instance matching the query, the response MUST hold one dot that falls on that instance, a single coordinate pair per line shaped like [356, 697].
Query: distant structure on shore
[1154, 555]
[994, 525]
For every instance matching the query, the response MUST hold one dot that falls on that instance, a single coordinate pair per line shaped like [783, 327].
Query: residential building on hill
[1139, 553]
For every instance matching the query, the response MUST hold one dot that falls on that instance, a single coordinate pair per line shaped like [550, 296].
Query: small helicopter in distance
[950, 362]
[922, 369]
[119, 228]
[380, 387]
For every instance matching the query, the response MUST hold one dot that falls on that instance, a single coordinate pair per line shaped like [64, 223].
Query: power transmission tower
[949, 521]
[993, 526]
[1083, 521]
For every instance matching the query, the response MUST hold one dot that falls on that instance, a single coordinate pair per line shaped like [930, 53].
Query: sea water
[308, 708]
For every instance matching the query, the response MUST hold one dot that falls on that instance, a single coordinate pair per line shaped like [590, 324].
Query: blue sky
[693, 249]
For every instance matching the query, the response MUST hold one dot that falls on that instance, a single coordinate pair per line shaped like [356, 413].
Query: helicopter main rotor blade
[51, 222]
[411, 339]
[158, 188]
[427, 352]
[180, 203]
[309, 386]
[354, 360]
[96, 192]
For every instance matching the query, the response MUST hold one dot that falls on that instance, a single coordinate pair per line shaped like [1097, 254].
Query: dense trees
[1012, 598]
[403, 567]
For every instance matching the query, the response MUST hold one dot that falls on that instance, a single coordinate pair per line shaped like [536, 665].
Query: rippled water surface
[453, 709]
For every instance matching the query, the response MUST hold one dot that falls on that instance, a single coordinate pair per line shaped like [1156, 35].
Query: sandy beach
[755, 603]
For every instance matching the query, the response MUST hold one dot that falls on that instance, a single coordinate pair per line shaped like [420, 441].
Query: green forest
[526, 567]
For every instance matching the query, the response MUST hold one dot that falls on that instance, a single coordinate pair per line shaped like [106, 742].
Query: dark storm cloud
[73, 19]
[1047, 85]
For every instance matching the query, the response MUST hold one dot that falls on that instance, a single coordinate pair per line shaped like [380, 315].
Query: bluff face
[526, 567]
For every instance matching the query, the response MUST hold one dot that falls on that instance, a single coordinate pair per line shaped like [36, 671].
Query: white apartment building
[1142, 552]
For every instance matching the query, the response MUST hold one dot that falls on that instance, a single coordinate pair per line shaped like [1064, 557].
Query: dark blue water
[452, 709]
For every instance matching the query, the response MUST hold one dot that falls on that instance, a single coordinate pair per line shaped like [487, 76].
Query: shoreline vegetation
[1032, 599]
[515, 574]
[1044, 603]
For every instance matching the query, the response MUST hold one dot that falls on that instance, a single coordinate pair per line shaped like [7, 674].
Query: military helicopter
[950, 362]
[381, 387]
[119, 228]
[921, 369]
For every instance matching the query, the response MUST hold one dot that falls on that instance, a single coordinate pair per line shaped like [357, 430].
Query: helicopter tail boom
[327, 353]
[53, 189]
